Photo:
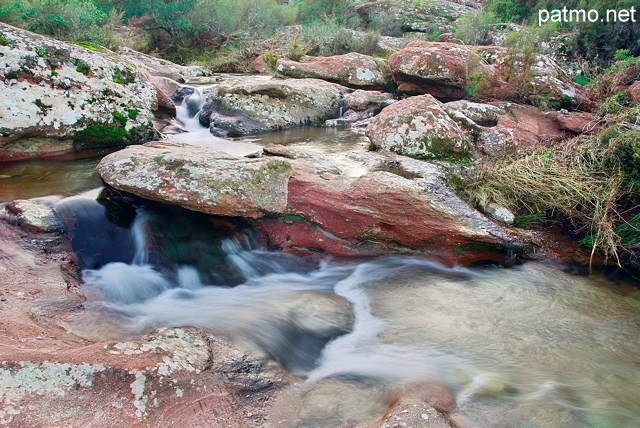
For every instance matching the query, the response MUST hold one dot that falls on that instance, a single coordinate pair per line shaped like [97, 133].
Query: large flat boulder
[59, 97]
[252, 104]
[354, 69]
[450, 71]
[199, 179]
[394, 205]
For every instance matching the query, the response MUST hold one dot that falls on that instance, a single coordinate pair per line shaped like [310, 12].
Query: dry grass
[582, 181]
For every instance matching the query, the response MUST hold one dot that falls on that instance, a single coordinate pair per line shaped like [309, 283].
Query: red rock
[450, 71]
[50, 376]
[352, 69]
[634, 91]
[380, 213]
[419, 127]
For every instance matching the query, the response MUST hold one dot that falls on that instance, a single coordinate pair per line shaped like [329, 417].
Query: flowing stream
[526, 346]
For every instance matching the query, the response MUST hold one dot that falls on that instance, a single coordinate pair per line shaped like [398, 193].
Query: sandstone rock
[479, 130]
[500, 213]
[359, 107]
[253, 104]
[417, 16]
[397, 205]
[34, 215]
[634, 91]
[450, 71]
[159, 67]
[199, 179]
[419, 127]
[361, 100]
[52, 377]
[59, 97]
[414, 413]
[352, 69]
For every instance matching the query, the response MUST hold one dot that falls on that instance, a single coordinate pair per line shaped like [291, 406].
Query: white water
[528, 346]
[198, 135]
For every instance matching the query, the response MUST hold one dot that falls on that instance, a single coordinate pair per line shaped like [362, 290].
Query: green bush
[474, 28]
[61, 19]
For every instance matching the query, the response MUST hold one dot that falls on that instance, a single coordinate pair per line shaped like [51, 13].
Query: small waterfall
[139, 236]
[187, 111]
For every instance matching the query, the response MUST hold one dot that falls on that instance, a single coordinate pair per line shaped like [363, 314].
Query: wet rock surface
[60, 97]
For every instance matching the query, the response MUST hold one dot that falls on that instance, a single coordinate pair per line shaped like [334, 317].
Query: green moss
[3, 41]
[100, 136]
[92, 46]
[132, 113]
[123, 77]
[41, 52]
[441, 149]
[291, 217]
[84, 69]
[472, 246]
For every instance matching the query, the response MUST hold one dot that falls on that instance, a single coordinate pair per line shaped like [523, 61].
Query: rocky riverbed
[202, 287]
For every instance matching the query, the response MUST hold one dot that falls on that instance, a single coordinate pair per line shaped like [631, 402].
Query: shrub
[474, 28]
[589, 182]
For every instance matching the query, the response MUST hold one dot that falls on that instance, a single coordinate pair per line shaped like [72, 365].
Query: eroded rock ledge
[363, 204]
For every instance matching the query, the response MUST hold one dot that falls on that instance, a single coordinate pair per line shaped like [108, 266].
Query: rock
[331, 402]
[485, 385]
[396, 205]
[419, 127]
[167, 86]
[415, 414]
[353, 69]
[634, 91]
[500, 213]
[59, 97]
[159, 67]
[34, 215]
[421, 17]
[479, 130]
[361, 100]
[253, 104]
[449, 71]
[199, 179]
[172, 376]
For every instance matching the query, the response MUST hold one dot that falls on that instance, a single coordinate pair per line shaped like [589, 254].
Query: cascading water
[188, 112]
[525, 346]
[511, 343]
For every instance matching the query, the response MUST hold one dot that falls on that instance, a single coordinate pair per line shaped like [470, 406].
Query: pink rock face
[380, 213]
[423, 127]
[450, 71]
[353, 69]
[634, 91]
[419, 127]
[50, 376]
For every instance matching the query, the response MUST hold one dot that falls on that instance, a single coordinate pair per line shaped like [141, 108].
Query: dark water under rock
[525, 346]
